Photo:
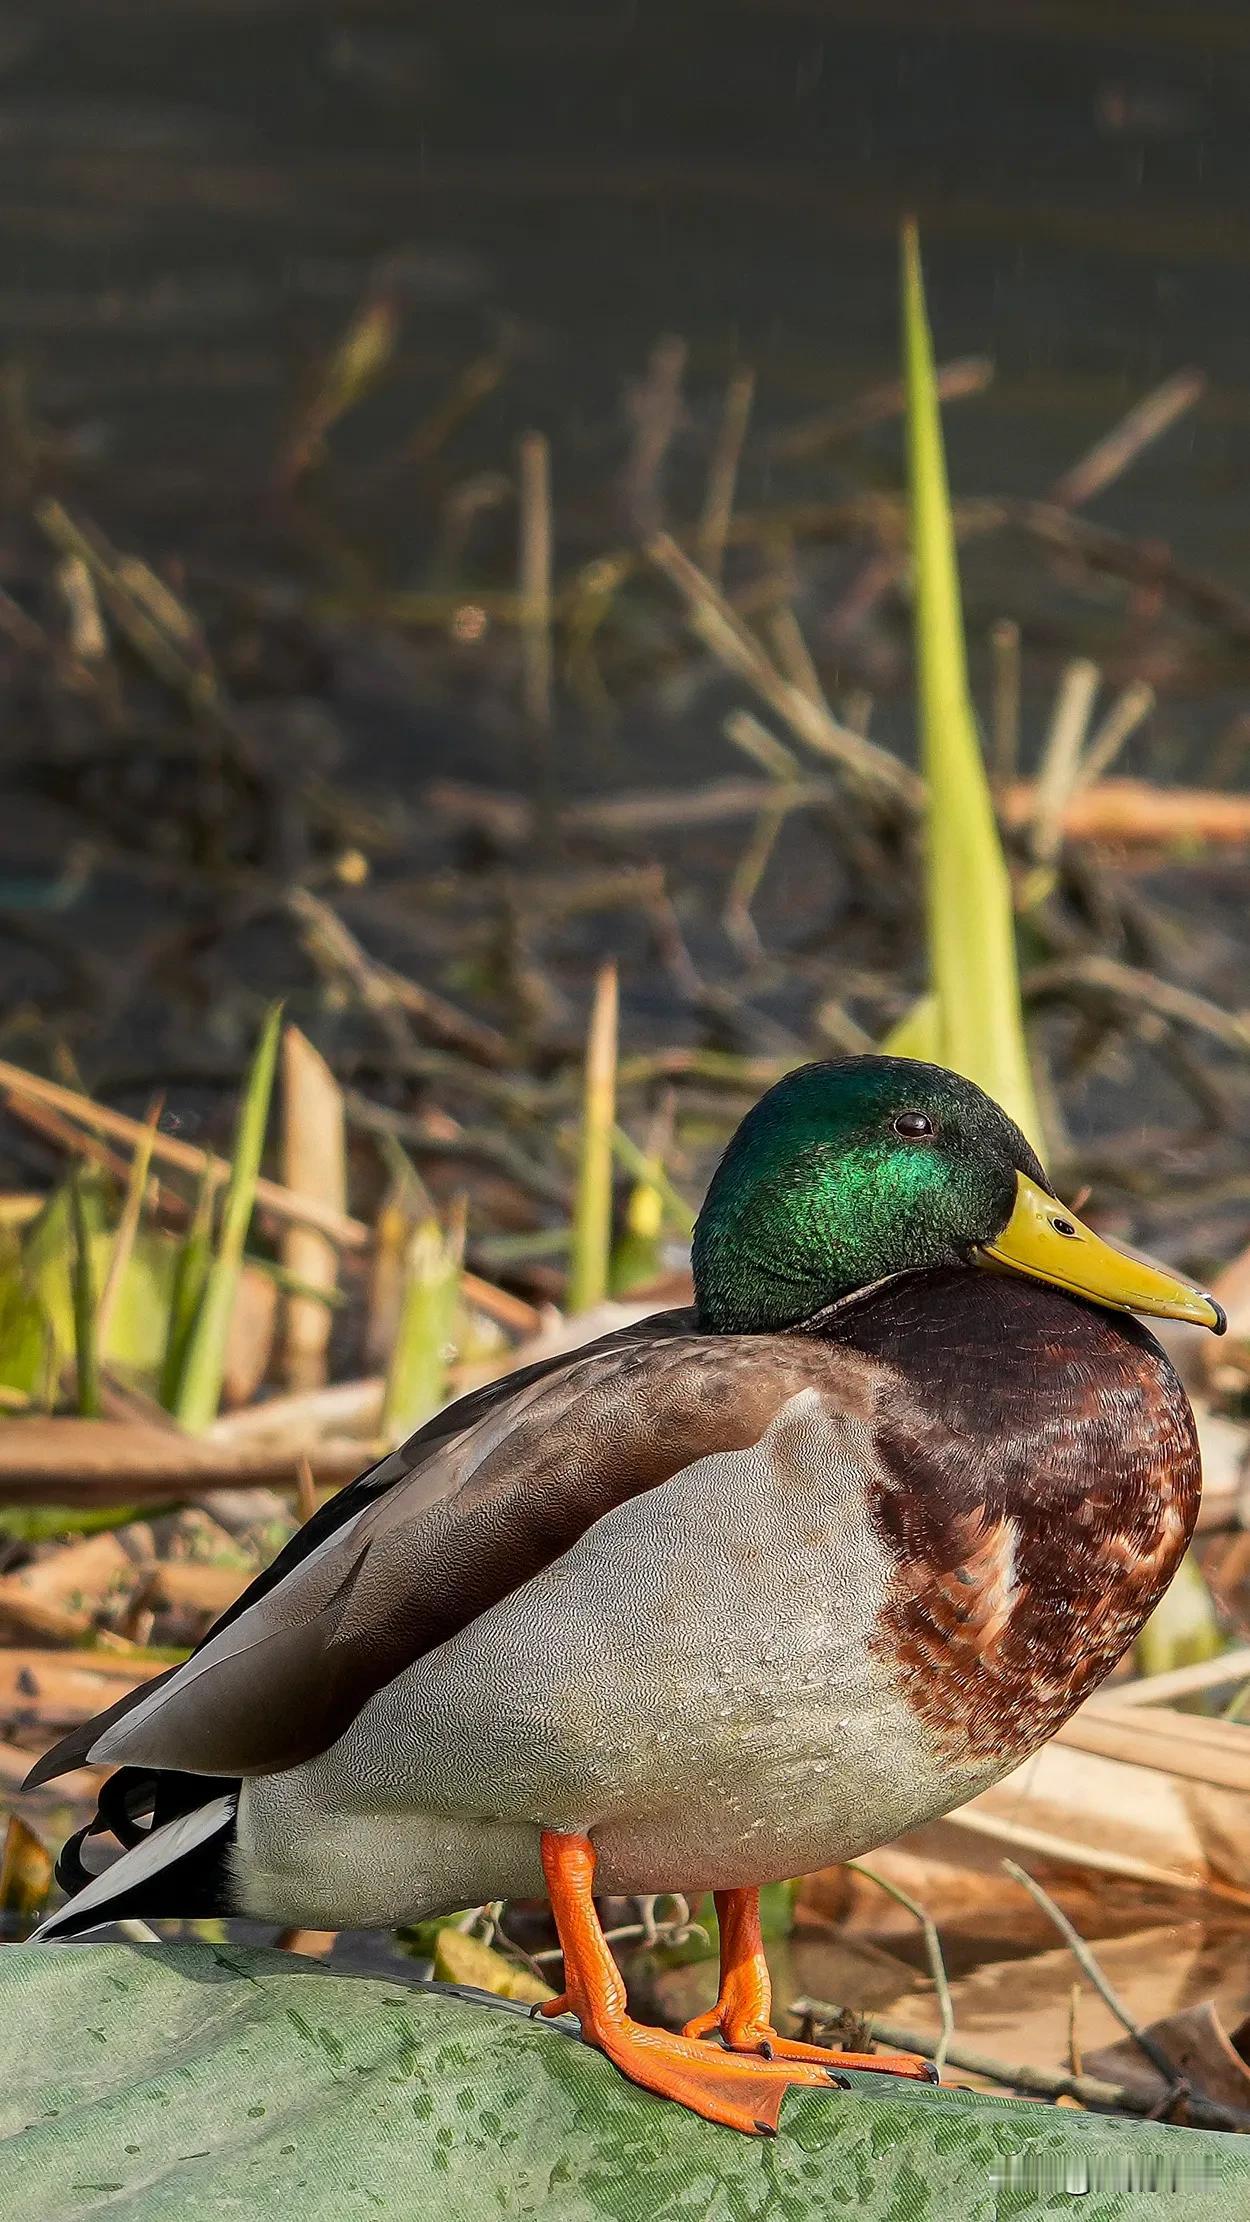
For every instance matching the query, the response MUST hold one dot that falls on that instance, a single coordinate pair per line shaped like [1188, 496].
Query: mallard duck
[723, 1597]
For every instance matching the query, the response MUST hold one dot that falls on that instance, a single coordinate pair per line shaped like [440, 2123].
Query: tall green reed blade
[590, 1257]
[917, 1033]
[978, 1026]
[416, 1378]
[123, 1244]
[82, 1278]
[195, 1255]
[203, 1368]
[972, 951]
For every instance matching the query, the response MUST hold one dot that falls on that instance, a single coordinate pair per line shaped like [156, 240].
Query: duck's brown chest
[1037, 1489]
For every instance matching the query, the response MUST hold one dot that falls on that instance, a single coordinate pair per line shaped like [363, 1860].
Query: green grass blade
[416, 1378]
[972, 951]
[128, 1225]
[199, 1387]
[589, 1261]
[195, 1255]
[86, 1348]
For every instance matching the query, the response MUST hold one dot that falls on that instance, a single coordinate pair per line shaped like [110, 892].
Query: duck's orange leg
[741, 2015]
[726, 2087]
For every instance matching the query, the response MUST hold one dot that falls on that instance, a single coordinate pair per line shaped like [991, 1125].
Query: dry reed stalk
[1061, 756]
[350, 1234]
[590, 1257]
[314, 1163]
[956, 381]
[1145, 422]
[656, 408]
[722, 477]
[534, 568]
[722, 631]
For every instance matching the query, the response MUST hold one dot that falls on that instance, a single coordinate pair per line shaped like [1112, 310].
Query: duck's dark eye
[1063, 1226]
[913, 1124]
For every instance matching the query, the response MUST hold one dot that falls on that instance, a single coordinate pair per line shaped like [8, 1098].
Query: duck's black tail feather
[176, 1833]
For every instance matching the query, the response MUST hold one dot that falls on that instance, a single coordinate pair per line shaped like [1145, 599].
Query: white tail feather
[158, 1850]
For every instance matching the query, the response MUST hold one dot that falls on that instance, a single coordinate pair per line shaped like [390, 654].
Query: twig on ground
[1045, 2083]
[1110, 1997]
[933, 1950]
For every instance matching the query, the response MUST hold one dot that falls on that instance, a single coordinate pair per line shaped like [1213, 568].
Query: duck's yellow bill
[1046, 1242]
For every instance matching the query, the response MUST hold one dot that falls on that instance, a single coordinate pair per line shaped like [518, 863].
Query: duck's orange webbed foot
[744, 2092]
[741, 2015]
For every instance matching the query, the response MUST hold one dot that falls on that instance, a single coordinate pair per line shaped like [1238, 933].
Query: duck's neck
[995, 1353]
[766, 1259]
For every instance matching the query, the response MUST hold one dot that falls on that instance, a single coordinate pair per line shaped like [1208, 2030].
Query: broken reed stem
[305, 1489]
[86, 1347]
[723, 633]
[128, 1224]
[353, 366]
[1106, 979]
[1085, 1960]
[1120, 723]
[1109, 457]
[590, 1258]
[416, 1381]
[956, 381]
[655, 406]
[199, 1389]
[390, 996]
[314, 1163]
[746, 732]
[794, 657]
[1061, 756]
[722, 477]
[350, 1234]
[933, 1951]
[1042, 2083]
[534, 579]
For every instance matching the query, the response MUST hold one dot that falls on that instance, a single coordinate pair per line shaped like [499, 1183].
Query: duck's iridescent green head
[848, 1172]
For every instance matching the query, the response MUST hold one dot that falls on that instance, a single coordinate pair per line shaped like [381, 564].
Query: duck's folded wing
[483, 1513]
[418, 1456]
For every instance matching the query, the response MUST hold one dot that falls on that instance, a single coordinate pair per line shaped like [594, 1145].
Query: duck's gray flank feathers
[486, 1512]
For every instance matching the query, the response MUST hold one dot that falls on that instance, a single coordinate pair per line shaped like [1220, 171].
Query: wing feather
[486, 1509]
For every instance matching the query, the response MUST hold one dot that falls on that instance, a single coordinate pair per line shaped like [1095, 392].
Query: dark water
[194, 196]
